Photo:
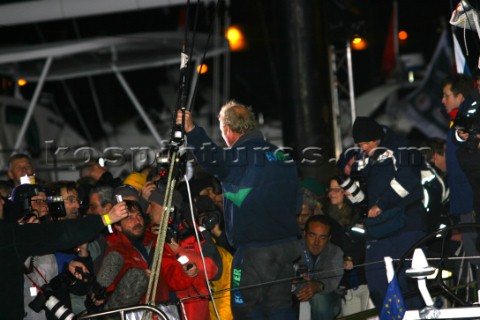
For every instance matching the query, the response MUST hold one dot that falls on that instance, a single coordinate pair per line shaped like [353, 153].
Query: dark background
[260, 74]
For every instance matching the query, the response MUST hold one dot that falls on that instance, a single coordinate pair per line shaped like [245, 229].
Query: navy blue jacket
[260, 187]
[461, 196]
[21, 241]
[393, 179]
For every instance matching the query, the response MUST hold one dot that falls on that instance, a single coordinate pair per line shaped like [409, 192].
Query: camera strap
[33, 268]
[307, 262]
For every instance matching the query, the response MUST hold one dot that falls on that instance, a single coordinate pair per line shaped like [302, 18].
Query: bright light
[202, 69]
[357, 40]
[402, 35]
[236, 38]
[359, 43]
[21, 82]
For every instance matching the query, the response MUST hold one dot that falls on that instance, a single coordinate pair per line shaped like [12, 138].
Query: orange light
[402, 35]
[236, 38]
[359, 43]
[21, 82]
[202, 69]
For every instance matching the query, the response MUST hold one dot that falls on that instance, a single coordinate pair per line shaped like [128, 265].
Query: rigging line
[474, 27]
[190, 55]
[268, 283]
[160, 241]
[202, 60]
[185, 37]
[180, 103]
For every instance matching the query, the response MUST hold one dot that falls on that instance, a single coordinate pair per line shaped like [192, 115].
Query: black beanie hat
[366, 129]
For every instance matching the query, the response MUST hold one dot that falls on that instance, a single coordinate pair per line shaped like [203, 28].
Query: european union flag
[393, 307]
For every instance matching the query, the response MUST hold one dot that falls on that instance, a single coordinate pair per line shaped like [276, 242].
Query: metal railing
[122, 312]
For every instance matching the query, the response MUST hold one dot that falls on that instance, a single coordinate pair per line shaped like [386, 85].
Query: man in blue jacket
[392, 174]
[260, 187]
[457, 91]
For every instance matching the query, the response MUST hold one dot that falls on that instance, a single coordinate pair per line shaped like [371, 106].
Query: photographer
[210, 217]
[468, 152]
[73, 294]
[457, 99]
[393, 189]
[21, 241]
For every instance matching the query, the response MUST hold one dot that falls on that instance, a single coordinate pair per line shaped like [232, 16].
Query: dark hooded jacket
[393, 179]
[259, 185]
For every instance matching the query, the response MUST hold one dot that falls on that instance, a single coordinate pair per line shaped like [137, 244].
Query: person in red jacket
[194, 297]
[124, 271]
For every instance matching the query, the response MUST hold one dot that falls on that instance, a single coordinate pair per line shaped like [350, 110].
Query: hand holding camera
[79, 271]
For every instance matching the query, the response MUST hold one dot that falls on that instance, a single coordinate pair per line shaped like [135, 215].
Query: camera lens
[58, 309]
[356, 194]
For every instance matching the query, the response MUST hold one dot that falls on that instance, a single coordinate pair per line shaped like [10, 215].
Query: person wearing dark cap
[393, 182]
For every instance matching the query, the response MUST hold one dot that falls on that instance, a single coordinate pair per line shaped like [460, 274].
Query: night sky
[254, 71]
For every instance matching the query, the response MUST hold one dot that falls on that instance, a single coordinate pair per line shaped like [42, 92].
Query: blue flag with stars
[393, 307]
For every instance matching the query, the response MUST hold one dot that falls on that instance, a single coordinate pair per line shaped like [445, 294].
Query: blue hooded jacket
[393, 179]
[260, 187]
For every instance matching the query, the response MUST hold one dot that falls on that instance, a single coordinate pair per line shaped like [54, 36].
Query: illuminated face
[155, 211]
[303, 216]
[316, 237]
[39, 204]
[133, 226]
[369, 146]
[95, 205]
[335, 193]
[72, 203]
[449, 100]
[19, 168]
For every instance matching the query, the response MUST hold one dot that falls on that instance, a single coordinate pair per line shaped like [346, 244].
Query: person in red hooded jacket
[125, 269]
[195, 297]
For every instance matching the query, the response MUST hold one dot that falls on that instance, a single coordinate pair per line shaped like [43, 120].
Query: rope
[158, 253]
[300, 279]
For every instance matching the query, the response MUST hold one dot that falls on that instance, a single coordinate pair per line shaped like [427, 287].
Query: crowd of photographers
[112, 269]
[90, 271]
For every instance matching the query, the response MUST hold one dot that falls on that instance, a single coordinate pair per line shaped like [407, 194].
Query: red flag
[389, 53]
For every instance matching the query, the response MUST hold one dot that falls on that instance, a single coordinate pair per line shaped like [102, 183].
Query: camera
[46, 300]
[172, 234]
[56, 207]
[21, 199]
[208, 214]
[163, 160]
[211, 219]
[469, 122]
[21, 202]
[97, 293]
[356, 195]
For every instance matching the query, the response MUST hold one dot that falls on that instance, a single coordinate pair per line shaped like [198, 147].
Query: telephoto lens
[356, 194]
[58, 309]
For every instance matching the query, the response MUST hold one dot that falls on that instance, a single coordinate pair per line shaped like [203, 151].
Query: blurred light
[359, 43]
[411, 78]
[358, 228]
[402, 35]
[235, 38]
[21, 82]
[202, 69]
[446, 274]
